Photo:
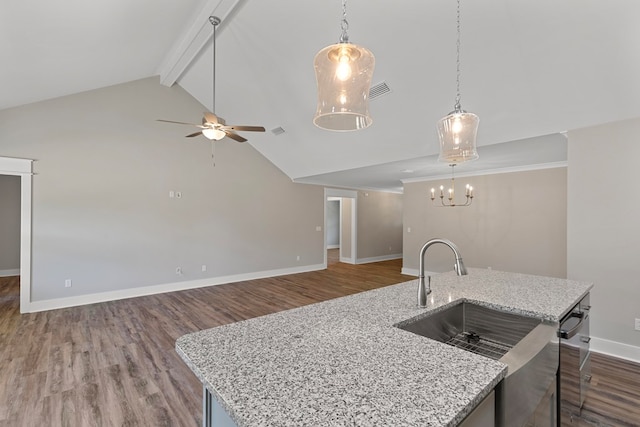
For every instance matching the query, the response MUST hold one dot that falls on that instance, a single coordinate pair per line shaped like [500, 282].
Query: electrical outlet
[637, 324]
[204, 267]
[298, 258]
[67, 284]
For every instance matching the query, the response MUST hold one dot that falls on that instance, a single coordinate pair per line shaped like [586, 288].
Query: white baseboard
[347, 260]
[57, 303]
[12, 272]
[333, 246]
[615, 349]
[410, 271]
[378, 258]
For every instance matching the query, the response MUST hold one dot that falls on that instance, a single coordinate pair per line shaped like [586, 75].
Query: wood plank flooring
[614, 397]
[114, 364]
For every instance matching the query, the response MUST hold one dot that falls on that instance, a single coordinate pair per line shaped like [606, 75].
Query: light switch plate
[637, 324]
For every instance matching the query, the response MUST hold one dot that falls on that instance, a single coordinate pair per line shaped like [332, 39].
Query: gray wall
[604, 228]
[379, 224]
[517, 223]
[102, 215]
[9, 224]
[333, 223]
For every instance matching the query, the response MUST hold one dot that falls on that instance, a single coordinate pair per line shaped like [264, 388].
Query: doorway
[23, 169]
[346, 229]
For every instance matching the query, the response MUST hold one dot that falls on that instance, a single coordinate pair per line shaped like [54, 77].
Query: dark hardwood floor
[114, 364]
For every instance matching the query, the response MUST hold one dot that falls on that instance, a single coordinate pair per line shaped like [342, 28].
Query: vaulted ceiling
[530, 70]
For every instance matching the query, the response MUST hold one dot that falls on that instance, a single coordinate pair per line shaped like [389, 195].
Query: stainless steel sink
[527, 345]
[475, 328]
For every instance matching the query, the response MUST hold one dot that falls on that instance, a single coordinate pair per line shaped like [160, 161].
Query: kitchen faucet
[425, 289]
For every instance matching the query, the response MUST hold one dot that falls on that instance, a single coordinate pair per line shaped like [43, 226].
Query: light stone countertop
[342, 362]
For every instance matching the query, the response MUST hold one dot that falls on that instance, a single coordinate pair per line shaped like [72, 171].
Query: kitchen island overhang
[344, 361]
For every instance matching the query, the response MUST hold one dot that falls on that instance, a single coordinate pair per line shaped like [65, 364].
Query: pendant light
[343, 74]
[457, 131]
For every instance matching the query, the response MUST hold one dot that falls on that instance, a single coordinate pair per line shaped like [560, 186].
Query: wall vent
[277, 131]
[377, 90]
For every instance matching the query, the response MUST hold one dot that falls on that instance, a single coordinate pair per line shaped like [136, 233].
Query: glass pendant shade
[213, 134]
[343, 74]
[457, 133]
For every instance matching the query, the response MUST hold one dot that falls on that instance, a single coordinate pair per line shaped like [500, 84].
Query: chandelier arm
[451, 202]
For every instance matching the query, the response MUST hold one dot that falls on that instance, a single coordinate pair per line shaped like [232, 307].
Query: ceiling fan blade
[234, 136]
[191, 135]
[244, 128]
[179, 123]
[211, 118]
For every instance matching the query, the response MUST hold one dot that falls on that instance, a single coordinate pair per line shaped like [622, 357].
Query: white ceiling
[530, 69]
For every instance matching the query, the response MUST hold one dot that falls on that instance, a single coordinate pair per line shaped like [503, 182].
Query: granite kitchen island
[343, 362]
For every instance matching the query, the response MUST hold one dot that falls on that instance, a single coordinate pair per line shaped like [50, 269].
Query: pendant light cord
[457, 105]
[344, 25]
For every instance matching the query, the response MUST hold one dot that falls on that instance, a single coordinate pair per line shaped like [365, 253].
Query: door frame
[24, 169]
[346, 194]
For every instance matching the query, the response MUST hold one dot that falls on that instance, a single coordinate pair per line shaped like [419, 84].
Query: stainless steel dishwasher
[574, 374]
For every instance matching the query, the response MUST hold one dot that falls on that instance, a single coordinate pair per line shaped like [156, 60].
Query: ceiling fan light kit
[213, 134]
[457, 131]
[343, 75]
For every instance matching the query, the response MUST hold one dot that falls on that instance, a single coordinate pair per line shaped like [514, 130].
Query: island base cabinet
[483, 415]
[213, 415]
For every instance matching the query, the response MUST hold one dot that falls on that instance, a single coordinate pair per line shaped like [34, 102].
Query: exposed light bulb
[457, 124]
[343, 98]
[343, 70]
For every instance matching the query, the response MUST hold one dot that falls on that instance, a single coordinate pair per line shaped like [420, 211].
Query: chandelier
[448, 199]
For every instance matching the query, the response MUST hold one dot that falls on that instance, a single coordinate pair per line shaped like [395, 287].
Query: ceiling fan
[214, 127]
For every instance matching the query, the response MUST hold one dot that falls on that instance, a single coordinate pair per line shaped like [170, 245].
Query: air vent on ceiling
[277, 131]
[376, 91]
